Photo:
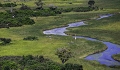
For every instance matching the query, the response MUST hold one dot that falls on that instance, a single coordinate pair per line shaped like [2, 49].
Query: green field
[107, 29]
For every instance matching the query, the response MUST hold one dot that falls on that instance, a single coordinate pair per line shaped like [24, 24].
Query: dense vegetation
[21, 17]
[30, 62]
[8, 5]
[14, 20]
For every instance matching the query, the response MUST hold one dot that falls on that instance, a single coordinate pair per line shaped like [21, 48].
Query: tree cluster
[78, 9]
[30, 62]
[21, 16]
[9, 20]
[8, 5]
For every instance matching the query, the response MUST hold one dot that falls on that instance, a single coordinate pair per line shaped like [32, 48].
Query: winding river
[104, 57]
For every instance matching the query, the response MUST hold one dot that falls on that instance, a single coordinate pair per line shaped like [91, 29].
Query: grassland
[106, 29]
[116, 57]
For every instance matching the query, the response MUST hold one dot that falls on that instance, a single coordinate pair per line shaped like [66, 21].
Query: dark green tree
[64, 54]
[91, 3]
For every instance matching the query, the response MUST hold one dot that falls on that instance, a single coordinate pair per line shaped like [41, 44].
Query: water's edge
[104, 57]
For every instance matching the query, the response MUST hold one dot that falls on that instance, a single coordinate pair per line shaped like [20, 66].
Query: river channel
[104, 57]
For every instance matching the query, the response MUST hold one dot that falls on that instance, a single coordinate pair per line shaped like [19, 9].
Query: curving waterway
[104, 57]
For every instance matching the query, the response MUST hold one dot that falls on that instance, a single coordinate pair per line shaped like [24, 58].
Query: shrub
[52, 7]
[70, 3]
[0, 4]
[45, 12]
[24, 7]
[31, 38]
[41, 59]
[67, 10]
[5, 40]
[70, 66]
[8, 5]
[8, 65]
[82, 9]
[64, 54]
[58, 11]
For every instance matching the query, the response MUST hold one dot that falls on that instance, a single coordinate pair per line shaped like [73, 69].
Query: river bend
[104, 57]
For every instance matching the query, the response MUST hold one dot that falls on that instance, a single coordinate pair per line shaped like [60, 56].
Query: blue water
[104, 57]
[56, 31]
[104, 16]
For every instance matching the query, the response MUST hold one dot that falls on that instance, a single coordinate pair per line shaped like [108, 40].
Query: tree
[64, 54]
[39, 4]
[91, 3]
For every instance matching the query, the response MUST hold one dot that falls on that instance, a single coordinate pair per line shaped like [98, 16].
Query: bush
[39, 8]
[8, 65]
[82, 9]
[5, 40]
[58, 11]
[64, 54]
[70, 66]
[8, 5]
[0, 4]
[67, 10]
[41, 59]
[52, 7]
[31, 38]
[24, 7]
[44, 12]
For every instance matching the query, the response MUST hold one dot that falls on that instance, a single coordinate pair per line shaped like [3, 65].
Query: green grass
[108, 4]
[117, 57]
[46, 46]
[106, 29]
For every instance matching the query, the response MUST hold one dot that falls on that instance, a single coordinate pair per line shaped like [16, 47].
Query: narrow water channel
[104, 57]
